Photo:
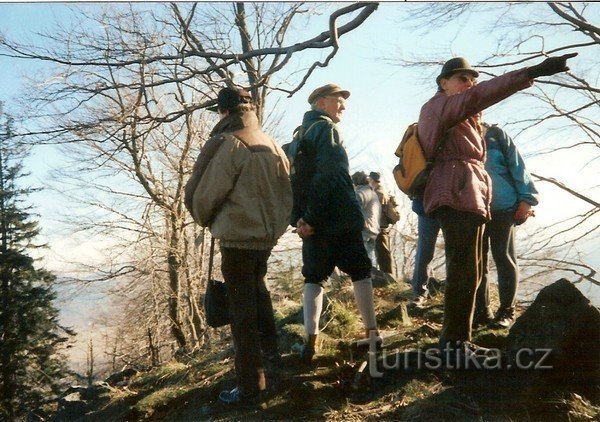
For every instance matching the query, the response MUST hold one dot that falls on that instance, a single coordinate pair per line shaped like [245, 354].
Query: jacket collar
[236, 121]
[312, 115]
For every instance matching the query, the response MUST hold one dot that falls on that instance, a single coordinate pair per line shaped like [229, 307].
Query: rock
[404, 314]
[117, 378]
[71, 406]
[97, 391]
[435, 286]
[562, 320]
[381, 279]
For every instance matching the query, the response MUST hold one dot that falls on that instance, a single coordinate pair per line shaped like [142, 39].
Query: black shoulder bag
[216, 305]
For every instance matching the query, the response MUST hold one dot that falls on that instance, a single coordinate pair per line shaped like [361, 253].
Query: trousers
[499, 236]
[251, 310]
[383, 251]
[463, 238]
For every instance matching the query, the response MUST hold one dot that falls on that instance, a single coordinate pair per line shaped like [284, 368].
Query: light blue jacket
[511, 183]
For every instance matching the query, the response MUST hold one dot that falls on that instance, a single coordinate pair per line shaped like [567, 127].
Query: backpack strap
[500, 138]
[440, 146]
[301, 132]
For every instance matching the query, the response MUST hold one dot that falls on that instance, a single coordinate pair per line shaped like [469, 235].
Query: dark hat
[359, 178]
[229, 98]
[325, 90]
[457, 64]
[375, 176]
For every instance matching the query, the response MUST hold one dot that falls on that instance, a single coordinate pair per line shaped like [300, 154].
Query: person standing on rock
[458, 191]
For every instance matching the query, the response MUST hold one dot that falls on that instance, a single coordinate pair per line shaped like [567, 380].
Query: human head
[374, 178]
[456, 76]
[330, 99]
[359, 178]
[230, 99]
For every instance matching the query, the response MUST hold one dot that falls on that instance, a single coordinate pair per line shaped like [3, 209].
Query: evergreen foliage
[31, 338]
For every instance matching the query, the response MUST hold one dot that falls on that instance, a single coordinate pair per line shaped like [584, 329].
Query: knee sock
[363, 293]
[313, 305]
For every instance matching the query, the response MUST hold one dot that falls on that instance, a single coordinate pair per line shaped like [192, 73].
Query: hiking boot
[236, 397]
[419, 301]
[370, 336]
[463, 354]
[306, 353]
[504, 320]
[482, 318]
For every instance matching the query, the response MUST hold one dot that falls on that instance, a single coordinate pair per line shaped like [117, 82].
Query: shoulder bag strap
[440, 144]
[210, 258]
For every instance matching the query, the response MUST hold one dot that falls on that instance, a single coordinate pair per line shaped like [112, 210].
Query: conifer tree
[31, 339]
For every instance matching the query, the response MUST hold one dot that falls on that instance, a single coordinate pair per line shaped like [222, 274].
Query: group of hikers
[247, 190]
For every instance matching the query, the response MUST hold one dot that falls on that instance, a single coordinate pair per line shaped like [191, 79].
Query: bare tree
[124, 97]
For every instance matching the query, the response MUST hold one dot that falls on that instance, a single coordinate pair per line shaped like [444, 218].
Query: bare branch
[567, 189]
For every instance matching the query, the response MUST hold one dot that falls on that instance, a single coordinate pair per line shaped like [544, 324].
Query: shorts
[322, 253]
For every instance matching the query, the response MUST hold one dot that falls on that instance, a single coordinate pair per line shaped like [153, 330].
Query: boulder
[564, 323]
[381, 279]
[121, 376]
[71, 406]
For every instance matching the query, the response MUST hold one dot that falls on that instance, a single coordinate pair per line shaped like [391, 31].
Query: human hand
[304, 229]
[523, 212]
[550, 66]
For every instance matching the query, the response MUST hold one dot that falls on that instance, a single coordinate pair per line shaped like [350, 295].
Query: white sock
[363, 293]
[313, 305]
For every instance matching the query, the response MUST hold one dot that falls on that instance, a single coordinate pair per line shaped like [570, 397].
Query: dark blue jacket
[330, 206]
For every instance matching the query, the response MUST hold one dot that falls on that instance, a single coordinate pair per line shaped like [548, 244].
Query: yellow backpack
[413, 169]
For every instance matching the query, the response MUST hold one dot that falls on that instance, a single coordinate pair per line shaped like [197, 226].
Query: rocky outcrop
[79, 400]
[558, 337]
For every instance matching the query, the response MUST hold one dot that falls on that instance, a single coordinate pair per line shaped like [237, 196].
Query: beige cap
[325, 90]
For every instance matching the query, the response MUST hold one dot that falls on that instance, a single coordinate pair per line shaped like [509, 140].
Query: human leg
[266, 317]
[383, 251]
[483, 313]
[238, 267]
[503, 252]
[317, 265]
[351, 257]
[463, 232]
[428, 229]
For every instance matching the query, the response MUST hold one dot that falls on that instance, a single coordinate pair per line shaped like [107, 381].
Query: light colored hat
[325, 90]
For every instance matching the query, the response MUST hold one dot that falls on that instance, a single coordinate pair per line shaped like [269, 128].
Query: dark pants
[384, 252]
[463, 235]
[252, 322]
[499, 236]
[321, 254]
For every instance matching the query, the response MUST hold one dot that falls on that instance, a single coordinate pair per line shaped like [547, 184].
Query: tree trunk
[174, 283]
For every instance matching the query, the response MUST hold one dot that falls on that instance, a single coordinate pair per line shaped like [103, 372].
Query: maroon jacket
[458, 178]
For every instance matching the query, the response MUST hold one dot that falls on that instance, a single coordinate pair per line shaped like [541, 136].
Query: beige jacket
[243, 194]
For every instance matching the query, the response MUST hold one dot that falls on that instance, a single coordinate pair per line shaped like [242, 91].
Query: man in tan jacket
[240, 189]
